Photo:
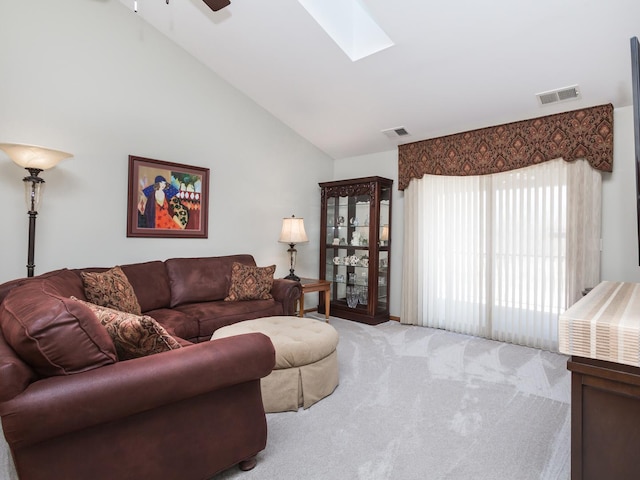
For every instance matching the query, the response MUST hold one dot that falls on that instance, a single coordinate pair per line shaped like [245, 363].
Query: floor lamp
[293, 233]
[34, 159]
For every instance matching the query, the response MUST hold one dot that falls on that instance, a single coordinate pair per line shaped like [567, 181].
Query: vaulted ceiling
[455, 65]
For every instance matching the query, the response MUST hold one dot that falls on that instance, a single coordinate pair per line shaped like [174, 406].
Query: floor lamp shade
[293, 233]
[31, 156]
[34, 159]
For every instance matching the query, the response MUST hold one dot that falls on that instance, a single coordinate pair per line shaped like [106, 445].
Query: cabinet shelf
[356, 214]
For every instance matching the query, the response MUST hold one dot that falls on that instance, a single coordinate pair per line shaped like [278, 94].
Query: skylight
[350, 25]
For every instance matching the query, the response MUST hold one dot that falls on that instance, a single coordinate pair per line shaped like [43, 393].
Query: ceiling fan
[216, 5]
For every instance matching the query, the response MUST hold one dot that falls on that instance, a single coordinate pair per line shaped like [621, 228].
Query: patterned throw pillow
[250, 283]
[111, 289]
[133, 335]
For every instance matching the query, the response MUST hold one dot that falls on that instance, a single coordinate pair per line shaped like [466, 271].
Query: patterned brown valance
[585, 133]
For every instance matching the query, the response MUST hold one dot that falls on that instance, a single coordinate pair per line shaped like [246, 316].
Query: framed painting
[167, 200]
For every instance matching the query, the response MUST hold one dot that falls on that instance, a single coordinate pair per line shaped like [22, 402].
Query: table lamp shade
[293, 231]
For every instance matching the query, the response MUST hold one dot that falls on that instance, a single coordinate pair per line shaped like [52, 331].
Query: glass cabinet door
[347, 256]
[383, 253]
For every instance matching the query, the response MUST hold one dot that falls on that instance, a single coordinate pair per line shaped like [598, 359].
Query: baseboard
[310, 310]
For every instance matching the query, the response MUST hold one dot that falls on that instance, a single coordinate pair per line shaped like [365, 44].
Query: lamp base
[292, 276]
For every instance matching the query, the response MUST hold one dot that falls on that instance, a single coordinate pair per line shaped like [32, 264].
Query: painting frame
[182, 199]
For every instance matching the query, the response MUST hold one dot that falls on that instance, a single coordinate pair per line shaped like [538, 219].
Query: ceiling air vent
[395, 132]
[559, 95]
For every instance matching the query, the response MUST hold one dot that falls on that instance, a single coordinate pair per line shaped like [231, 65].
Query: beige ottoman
[306, 367]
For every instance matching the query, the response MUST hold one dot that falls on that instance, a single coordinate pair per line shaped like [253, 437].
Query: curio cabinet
[354, 247]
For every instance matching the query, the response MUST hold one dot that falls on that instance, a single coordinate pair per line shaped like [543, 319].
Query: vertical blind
[501, 255]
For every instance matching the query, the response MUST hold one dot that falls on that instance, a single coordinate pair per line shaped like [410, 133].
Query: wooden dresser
[601, 332]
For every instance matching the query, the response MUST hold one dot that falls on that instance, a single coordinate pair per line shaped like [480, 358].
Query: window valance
[586, 133]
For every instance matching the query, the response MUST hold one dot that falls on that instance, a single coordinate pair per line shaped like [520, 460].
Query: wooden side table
[314, 285]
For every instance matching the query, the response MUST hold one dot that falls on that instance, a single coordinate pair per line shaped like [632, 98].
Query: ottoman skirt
[306, 369]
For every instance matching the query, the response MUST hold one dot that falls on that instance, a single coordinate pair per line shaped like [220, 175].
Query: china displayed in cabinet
[355, 242]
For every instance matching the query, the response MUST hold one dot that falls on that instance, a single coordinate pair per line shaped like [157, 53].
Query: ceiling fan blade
[216, 5]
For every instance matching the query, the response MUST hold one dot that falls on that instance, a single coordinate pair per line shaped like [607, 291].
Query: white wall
[384, 164]
[619, 259]
[89, 77]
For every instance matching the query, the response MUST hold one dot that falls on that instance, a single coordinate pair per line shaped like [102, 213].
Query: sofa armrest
[57, 405]
[286, 292]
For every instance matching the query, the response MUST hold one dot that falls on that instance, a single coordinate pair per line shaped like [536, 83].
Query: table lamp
[293, 233]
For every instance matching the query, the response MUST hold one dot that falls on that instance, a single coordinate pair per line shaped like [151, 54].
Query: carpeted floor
[422, 404]
[418, 403]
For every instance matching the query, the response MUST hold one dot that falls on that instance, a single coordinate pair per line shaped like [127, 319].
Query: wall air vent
[559, 95]
[395, 132]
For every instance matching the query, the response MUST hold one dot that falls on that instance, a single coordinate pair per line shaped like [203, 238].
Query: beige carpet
[418, 403]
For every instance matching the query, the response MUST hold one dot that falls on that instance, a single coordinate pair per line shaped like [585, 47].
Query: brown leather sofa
[71, 410]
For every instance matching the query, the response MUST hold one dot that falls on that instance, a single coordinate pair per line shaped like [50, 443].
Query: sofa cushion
[54, 335]
[202, 279]
[213, 315]
[151, 284]
[133, 335]
[111, 289]
[66, 282]
[250, 283]
[177, 323]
